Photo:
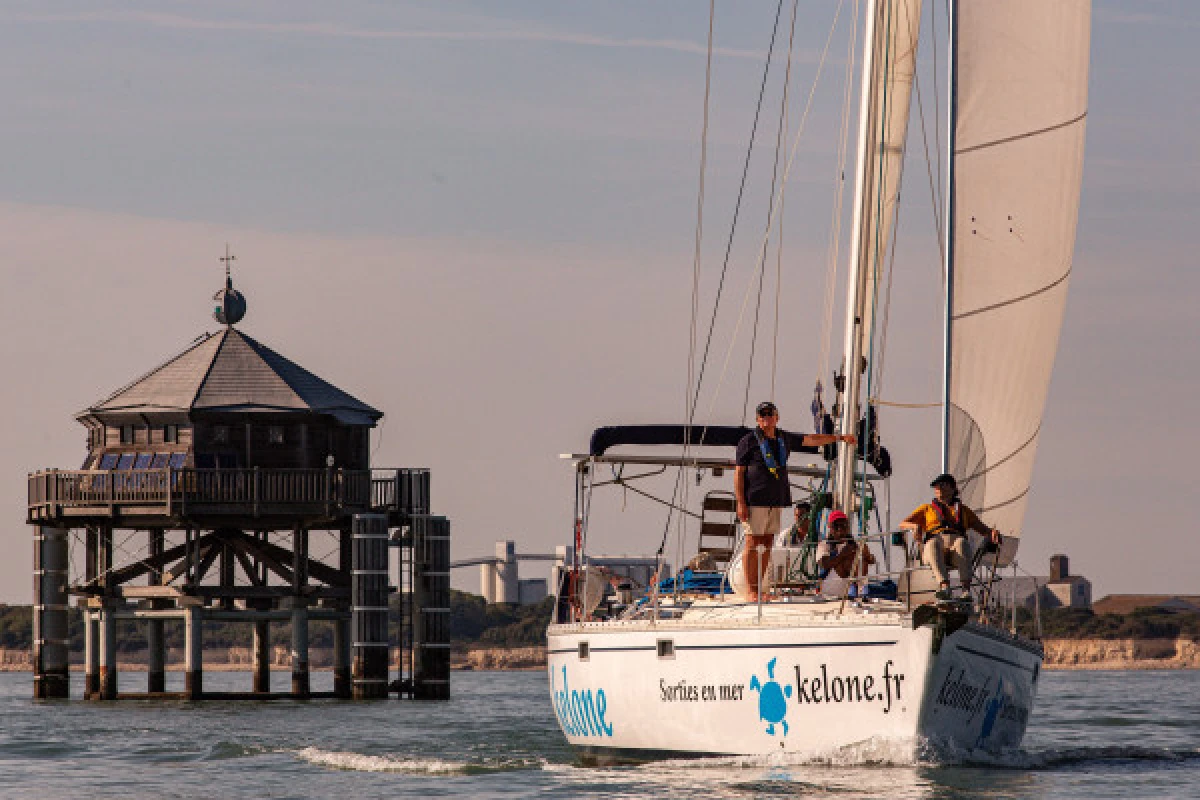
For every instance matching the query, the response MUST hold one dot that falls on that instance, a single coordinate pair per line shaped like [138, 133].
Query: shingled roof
[230, 371]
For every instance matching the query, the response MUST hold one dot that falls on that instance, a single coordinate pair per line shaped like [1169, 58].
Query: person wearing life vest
[941, 526]
[761, 485]
[838, 558]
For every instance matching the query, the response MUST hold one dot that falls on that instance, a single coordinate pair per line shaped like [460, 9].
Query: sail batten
[1021, 110]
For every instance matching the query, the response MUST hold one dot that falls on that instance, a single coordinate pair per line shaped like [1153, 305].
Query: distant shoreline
[1061, 654]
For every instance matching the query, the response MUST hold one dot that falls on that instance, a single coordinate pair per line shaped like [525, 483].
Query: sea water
[1092, 735]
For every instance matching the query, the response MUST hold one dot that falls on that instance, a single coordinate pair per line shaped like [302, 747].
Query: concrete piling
[369, 609]
[50, 640]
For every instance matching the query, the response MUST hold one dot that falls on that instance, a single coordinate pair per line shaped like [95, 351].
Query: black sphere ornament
[231, 305]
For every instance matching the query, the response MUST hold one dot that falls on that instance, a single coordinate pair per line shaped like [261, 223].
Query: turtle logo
[772, 699]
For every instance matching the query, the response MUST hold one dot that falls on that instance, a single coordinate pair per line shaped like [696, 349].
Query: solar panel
[143, 461]
[108, 461]
[126, 461]
[160, 460]
[178, 460]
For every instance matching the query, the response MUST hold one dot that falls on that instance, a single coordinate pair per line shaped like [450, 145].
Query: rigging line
[762, 264]
[728, 251]
[877, 245]
[786, 173]
[933, 192]
[835, 227]
[937, 105]
[688, 405]
[893, 404]
[785, 119]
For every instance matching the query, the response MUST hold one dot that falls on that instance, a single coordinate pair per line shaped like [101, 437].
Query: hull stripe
[780, 646]
[991, 657]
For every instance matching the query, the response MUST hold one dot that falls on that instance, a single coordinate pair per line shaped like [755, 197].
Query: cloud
[328, 29]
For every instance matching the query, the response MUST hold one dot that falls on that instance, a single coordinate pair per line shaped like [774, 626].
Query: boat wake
[413, 765]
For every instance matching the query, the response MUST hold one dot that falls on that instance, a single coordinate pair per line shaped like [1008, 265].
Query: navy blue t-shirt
[763, 488]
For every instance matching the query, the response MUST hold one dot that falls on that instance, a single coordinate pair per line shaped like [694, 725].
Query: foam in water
[358, 762]
[413, 765]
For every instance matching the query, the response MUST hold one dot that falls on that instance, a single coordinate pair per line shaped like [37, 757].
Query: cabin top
[230, 372]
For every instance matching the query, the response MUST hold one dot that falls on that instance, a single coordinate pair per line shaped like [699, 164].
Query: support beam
[300, 683]
[50, 640]
[156, 647]
[341, 657]
[262, 656]
[193, 653]
[108, 653]
[91, 655]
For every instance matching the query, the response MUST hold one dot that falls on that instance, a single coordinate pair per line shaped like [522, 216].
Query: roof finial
[231, 305]
[228, 258]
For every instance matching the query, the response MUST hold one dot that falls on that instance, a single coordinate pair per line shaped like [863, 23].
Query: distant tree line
[474, 622]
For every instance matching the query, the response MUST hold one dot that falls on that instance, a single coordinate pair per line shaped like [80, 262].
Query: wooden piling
[91, 656]
[300, 683]
[156, 653]
[193, 653]
[262, 656]
[108, 653]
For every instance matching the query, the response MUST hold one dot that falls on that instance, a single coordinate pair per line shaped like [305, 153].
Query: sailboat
[689, 667]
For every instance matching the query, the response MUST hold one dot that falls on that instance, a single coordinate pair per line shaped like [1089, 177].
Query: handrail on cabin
[406, 489]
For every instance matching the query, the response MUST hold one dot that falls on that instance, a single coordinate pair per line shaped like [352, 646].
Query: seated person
[940, 527]
[795, 535]
[838, 555]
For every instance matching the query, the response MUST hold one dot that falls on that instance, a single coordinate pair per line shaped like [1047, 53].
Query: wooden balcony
[148, 497]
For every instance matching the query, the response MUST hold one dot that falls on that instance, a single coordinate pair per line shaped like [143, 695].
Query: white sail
[1021, 104]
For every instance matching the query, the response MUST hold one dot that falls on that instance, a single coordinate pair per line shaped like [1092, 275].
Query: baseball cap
[766, 407]
[837, 516]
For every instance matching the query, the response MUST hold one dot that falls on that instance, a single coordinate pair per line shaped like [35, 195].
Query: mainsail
[1021, 74]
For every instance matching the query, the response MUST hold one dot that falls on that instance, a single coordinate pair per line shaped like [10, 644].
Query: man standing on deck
[761, 485]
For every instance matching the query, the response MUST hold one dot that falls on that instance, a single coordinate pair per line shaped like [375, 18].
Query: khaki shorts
[764, 521]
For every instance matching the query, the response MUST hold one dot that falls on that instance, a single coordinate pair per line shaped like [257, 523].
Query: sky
[480, 219]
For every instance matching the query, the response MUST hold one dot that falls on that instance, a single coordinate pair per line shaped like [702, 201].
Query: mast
[856, 284]
[948, 227]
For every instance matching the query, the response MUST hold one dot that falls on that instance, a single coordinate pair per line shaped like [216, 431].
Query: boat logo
[994, 707]
[772, 699]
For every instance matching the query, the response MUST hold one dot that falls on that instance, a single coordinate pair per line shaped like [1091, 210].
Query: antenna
[228, 258]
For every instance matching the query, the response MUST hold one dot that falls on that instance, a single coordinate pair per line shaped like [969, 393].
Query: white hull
[804, 679]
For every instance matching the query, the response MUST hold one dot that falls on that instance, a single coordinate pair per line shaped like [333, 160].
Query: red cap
[834, 516]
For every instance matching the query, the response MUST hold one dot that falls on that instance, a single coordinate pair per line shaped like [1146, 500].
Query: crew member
[795, 535]
[941, 526]
[837, 555]
[761, 485]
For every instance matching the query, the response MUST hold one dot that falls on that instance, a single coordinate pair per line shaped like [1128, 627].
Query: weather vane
[231, 305]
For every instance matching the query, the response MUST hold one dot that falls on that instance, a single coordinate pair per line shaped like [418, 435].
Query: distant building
[1128, 603]
[1059, 589]
[531, 591]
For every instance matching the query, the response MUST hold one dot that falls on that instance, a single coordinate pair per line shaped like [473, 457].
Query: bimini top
[696, 436]
[231, 372]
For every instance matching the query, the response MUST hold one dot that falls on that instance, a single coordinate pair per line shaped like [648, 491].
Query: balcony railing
[236, 491]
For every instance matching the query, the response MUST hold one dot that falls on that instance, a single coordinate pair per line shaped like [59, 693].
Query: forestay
[1021, 98]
